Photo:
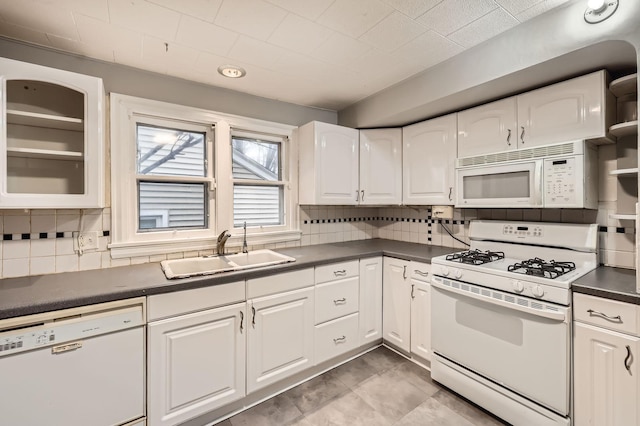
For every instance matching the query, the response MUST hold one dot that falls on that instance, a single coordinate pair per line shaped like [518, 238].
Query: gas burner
[475, 257]
[542, 268]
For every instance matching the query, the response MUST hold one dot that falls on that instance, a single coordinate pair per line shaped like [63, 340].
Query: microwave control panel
[561, 184]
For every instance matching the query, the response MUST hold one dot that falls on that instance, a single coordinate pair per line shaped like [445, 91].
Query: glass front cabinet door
[51, 140]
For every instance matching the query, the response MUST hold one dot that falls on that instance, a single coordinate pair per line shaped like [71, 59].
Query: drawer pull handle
[241, 321]
[617, 318]
[339, 301]
[628, 360]
[419, 272]
[341, 273]
[340, 339]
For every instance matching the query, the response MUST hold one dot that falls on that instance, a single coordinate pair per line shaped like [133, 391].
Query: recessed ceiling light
[231, 71]
[599, 10]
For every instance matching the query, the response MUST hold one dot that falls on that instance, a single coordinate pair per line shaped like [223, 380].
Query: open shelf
[36, 119]
[624, 172]
[624, 129]
[624, 85]
[46, 154]
[622, 216]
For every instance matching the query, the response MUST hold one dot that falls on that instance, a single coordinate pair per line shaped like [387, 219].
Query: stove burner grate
[541, 268]
[475, 257]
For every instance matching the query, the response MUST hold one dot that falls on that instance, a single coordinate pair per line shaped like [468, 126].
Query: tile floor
[377, 389]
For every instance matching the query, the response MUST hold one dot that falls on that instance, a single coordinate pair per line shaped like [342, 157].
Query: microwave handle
[538, 187]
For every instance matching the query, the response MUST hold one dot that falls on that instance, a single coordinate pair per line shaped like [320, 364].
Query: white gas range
[501, 317]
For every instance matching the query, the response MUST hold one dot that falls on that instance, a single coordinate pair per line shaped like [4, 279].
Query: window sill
[151, 248]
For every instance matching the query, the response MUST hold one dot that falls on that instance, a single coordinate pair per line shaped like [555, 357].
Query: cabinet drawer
[279, 283]
[622, 316]
[182, 302]
[420, 271]
[336, 299]
[336, 271]
[336, 337]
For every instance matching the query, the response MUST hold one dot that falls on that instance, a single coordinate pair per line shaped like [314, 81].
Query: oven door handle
[556, 316]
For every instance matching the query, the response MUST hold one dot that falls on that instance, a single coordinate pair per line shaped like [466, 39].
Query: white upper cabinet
[51, 143]
[328, 166]
[429, 153]
[492, 127]
[381, 166]
[580, 108]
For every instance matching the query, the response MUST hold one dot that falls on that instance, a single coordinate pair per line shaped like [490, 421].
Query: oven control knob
[445, 271]
[537, 291]
[457, 274]
[518, 286]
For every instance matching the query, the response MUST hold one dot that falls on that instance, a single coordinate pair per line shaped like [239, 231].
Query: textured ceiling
[321, 53]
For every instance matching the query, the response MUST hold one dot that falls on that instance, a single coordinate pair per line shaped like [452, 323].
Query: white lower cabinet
[280, 336]
[606, 383]
[336, 337]
[406, 306]
[420, 310]
[196, 363]
[370, 323]
[396, 301]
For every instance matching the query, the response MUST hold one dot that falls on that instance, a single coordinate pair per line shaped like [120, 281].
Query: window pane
[170, 152]
[257, 205]
[171, 205]
[256, 159]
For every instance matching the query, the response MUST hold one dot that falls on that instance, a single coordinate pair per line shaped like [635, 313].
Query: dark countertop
[43, 293]
[610, 283]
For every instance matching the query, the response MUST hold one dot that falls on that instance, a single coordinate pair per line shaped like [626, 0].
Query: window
[171, 175]
[172, 193]
[258, 186]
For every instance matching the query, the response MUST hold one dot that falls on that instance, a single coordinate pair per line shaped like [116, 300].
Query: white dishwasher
[80, 366]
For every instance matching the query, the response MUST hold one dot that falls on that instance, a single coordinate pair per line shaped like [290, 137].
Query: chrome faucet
[244, 238]
[222, 239]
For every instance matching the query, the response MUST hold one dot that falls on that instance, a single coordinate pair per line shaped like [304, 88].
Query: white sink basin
[183, 268]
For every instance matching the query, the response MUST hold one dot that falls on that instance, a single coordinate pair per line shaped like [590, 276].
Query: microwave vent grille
[519, 154]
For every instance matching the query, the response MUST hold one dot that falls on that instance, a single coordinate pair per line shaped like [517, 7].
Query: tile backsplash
[38, 242]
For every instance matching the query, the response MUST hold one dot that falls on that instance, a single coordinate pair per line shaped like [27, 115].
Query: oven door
[506, 185]
[517, 342]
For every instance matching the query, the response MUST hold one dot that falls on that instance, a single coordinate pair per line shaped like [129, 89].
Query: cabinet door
[488, 128]
[572, 109]
[370, 300]
[51, 146]
[396, 300]
[280, 337]
[381, 166]
[606, 392]
[196, 363]
[429, 154]
[328, 166]
[420, 310]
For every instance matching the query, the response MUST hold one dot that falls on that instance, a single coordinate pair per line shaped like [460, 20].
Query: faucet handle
[224, 234]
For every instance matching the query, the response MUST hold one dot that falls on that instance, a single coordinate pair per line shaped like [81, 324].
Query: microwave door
[507, 185]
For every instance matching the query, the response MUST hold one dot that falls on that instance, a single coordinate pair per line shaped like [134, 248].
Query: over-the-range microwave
[553, 176]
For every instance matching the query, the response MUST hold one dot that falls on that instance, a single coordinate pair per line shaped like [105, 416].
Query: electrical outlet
[85, 241]
[442, 212]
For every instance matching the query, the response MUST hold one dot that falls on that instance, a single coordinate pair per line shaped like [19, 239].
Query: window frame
[127, 241]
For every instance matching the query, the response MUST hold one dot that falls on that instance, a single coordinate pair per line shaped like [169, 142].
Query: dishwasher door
[86, 378]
